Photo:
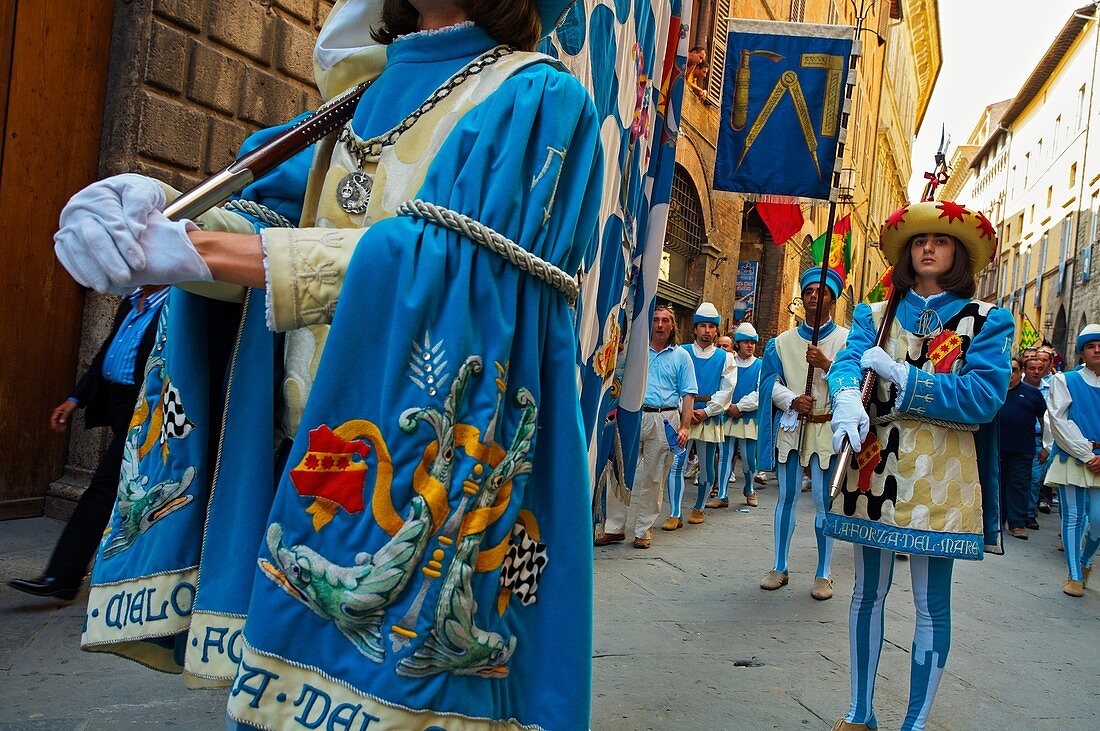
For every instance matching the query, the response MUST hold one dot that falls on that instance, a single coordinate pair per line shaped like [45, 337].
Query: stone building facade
[1037, 172]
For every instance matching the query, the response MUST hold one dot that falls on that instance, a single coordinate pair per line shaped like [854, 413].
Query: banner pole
[822, 283]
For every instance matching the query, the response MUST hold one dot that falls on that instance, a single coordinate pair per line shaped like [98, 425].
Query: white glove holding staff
[886, 367]
[113, 238]
[849, 420]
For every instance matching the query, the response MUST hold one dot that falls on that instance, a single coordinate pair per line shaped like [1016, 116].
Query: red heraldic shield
[944, 350]
[867, 459]
[329, 469]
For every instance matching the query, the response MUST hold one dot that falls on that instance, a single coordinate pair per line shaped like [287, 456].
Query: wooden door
[53, 77]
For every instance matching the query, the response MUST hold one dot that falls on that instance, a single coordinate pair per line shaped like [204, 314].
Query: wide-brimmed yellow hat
[939, 217]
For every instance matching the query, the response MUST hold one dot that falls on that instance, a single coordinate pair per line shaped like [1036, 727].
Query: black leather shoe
[1032, 524]
[46, 586]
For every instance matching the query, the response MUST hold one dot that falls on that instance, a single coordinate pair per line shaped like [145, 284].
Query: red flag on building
[783, 220]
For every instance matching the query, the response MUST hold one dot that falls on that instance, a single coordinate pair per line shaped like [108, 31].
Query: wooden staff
[866, 389]
[803, 419]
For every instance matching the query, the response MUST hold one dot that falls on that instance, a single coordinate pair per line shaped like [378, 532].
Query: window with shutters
[686, 231]
[798, 11]
[883, 26]
[718, 52]
[1068, 229]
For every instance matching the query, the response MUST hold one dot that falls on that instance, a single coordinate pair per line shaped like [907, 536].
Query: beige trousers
[654, 461]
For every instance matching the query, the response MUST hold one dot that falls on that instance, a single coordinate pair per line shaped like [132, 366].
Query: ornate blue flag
[784, 101]
[630, 57]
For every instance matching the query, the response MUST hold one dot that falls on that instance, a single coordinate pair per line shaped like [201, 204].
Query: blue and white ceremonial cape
[422, 561]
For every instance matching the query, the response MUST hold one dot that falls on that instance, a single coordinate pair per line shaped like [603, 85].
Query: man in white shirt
[1073, 410]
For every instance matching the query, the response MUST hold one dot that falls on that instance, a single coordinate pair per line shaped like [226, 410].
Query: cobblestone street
[684, 639]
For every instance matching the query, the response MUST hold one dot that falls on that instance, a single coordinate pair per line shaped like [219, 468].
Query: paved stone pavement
[684, 639]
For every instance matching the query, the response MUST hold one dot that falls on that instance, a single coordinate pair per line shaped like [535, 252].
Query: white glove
[886, 367]
[113, 238]
[850, 420]
[789, 420]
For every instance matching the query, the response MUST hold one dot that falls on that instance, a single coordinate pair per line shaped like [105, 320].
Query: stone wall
[188, 81]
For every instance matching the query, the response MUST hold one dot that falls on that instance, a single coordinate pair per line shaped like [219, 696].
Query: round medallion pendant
[353, 192]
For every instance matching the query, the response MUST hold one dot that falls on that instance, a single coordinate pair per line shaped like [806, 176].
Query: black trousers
[78, 542]
[1015, 488]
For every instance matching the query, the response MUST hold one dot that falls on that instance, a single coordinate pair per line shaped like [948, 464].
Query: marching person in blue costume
[925, 479]
[740, 428]
[419, 564]
[794, 431]
[1074, 413]
[715, 376]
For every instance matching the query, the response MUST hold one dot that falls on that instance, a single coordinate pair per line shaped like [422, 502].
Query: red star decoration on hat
[951, 211]
[985, 227]
[897, 217]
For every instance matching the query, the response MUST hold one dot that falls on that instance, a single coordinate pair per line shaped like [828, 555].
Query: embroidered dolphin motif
[455, 643]
[353, 597]
[140, 508]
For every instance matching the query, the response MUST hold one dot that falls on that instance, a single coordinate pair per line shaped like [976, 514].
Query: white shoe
[760, 479]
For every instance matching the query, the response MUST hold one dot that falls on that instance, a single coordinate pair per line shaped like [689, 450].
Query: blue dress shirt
[671, 377]
[118, 363]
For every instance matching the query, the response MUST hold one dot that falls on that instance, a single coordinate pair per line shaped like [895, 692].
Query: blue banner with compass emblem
[785, 98]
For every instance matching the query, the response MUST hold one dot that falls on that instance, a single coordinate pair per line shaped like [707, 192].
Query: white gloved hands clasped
[850, 420]
[113, 238]
[886, 367]
[789, 420]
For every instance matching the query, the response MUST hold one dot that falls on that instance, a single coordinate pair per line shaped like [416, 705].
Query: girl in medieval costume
[418, 565]
[924, 481]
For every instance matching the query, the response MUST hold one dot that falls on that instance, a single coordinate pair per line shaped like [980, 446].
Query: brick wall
[188, 81]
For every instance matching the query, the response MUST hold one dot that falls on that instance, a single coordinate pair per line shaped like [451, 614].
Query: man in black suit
[108, 393]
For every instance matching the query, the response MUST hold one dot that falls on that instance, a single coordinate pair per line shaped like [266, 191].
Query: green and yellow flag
[840, 251]
[1028, 334]
[881, 290]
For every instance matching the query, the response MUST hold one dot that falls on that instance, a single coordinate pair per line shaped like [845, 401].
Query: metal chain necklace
[353, 191]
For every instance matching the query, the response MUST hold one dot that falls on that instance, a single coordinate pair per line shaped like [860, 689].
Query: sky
[989, 49]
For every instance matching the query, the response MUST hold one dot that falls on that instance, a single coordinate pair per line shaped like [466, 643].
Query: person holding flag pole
[794, 430]
[925, 479]
[417, 564]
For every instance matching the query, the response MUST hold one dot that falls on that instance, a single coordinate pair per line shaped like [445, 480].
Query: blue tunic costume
[958, 353]
[1077, 486]
[708, 434]
[418, 565]
[741, 431]
[914, 486]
